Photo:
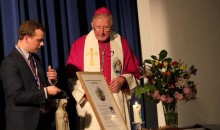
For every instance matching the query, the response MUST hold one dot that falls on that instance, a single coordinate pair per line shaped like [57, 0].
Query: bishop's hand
[116, 84]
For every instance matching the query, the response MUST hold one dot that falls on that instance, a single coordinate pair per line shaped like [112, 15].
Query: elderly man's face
[102, 28]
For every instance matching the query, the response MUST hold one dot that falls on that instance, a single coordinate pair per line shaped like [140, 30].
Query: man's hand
[52, 75]
[116, 84]
[53, 90]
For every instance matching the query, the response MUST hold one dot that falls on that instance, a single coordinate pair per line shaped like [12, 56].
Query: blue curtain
[65, 21]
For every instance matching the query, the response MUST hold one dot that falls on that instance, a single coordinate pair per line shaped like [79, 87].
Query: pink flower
[163, 98]
[178, 96]
[169, 99]
[187, 90]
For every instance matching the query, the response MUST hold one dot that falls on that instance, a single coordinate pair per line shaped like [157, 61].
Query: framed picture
[102, 101]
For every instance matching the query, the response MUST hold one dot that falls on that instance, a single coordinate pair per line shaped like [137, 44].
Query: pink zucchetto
[103, 10]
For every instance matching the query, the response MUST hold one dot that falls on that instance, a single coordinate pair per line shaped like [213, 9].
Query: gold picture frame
[102, 101]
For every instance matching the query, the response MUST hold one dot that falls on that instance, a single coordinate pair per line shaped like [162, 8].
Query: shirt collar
[23, 52]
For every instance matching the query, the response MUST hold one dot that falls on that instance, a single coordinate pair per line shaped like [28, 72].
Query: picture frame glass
[102, 101]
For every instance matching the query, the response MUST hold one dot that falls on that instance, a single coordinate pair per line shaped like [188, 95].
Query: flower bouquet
[167, 81]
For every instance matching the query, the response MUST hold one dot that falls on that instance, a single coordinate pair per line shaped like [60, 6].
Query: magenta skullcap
[103, 10]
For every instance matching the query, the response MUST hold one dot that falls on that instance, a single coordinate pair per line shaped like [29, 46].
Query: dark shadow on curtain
[2, 97]
[2, 108]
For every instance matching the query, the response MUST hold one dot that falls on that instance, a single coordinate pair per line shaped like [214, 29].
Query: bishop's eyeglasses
[99, 29]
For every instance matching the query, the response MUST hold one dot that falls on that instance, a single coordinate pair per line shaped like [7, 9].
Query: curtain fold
[65, 21]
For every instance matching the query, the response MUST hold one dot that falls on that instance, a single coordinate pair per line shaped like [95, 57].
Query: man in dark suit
[27, 88]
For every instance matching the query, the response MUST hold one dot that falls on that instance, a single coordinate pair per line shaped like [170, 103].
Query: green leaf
[154, 57]
[168, 60]
[162, 55]
[139, 91]
[152, 62]
[148, 61]
[153, 88]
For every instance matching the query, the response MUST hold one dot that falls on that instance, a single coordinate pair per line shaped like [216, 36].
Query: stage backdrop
[65, 21]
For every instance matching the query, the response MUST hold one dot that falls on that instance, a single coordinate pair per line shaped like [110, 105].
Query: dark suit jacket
[22, 96]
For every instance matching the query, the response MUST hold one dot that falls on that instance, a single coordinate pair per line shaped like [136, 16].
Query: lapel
[40, 68]
[22, 63]
[24, 67]
[24, 70]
